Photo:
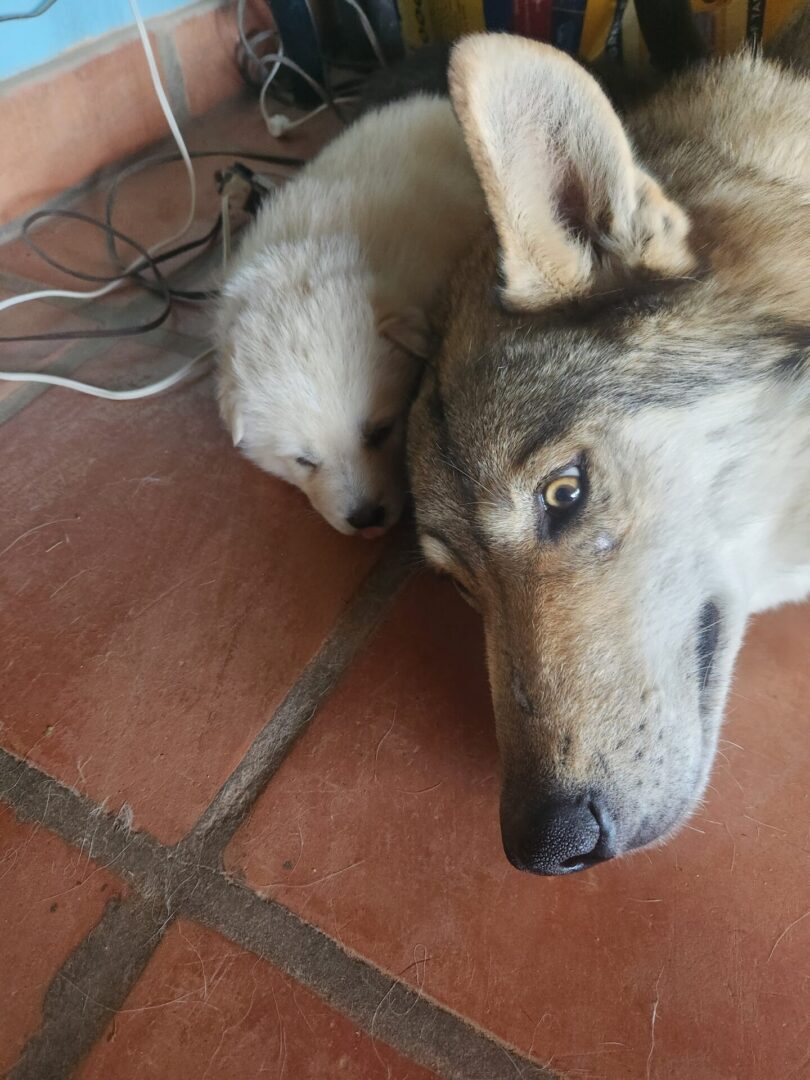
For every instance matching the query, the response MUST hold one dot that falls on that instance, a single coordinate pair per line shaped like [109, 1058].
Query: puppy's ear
[236, 426]
[407, 328]
[570, 205]
[229, 409]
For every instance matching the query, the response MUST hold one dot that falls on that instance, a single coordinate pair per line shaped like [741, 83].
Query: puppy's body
[324, 315]
[615, 460]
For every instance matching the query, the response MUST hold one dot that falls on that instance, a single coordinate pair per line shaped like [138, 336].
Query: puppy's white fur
[324, 316]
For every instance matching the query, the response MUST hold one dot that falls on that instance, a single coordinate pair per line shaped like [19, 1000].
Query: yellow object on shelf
[584, 27]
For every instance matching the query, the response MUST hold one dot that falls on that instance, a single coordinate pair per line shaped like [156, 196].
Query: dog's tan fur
[654, 325]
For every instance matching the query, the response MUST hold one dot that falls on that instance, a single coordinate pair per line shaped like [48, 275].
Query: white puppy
[323, 318]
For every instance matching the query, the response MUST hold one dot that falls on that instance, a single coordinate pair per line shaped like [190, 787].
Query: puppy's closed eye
[378, 436]
[305, 463]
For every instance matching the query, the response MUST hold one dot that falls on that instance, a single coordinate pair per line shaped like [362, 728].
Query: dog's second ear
[570, 204]
[408, 328]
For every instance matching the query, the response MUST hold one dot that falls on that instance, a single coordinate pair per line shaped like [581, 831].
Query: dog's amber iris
[563, 491]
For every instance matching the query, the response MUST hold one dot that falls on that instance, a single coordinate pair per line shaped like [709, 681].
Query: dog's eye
[563, 491]
[305, 463]
[465, 593]
[378, 435]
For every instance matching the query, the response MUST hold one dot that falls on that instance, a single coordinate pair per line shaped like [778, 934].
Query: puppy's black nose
[558, 835]
[367, 516]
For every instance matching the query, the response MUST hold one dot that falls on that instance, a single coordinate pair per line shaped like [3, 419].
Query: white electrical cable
[278, 124]
[177, 376]
[266, 85]
[71, 294]
[280, 58]
[99, 391]
[246, 45]
[173, 127]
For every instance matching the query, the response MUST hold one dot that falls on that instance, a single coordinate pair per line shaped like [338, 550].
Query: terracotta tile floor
[51, 896]
[162, 596]
[204, 1007]
[245, 831]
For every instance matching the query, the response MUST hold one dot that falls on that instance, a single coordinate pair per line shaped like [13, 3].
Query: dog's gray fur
[660, 337]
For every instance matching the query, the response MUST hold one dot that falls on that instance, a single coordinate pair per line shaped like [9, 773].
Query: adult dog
[611, 454]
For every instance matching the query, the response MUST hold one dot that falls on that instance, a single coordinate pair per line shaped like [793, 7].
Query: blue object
[68, 23]
[295, 23]
[567, 19]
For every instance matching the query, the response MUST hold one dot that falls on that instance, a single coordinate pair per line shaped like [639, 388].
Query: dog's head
[317, 368]
[557, 480]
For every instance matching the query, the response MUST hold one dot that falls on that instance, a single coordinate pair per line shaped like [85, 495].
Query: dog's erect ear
[408, 328]
[569, 203]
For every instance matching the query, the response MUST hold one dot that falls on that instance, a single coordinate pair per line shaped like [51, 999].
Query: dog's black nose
[367, 516]
[558, 835]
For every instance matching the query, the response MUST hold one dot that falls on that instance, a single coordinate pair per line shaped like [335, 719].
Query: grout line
[90, 987]
[227, 810]
[10, 231]
[175, 882]
[82, 55]
[386, 1009]
[173, 80]
[84, 52]
[34, 796]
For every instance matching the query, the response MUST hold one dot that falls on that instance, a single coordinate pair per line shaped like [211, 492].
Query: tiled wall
[66, 119]
[27, 43]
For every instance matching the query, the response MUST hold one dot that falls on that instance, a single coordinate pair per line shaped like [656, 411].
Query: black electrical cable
[246, 55]
[133, 272]
[159, 284]
[191, 245]
[121, 331]
[167, 159]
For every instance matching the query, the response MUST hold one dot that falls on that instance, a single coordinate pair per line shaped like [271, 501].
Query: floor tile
[206, 1008]
[84, 126]
[692, 960]
[162, 595]
[51, 896]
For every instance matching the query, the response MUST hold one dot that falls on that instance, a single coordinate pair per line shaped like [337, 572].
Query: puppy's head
[317, 367]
